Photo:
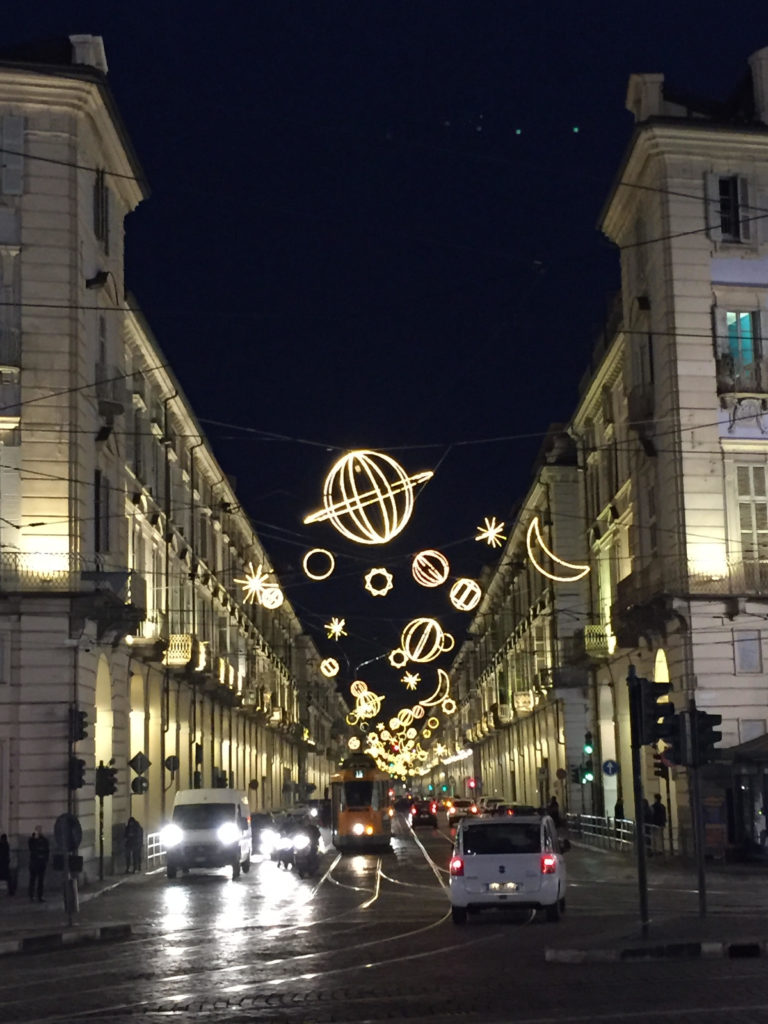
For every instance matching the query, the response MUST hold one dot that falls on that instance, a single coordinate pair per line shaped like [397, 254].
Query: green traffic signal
[588, 748]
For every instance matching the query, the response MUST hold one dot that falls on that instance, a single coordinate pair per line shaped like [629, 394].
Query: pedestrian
[133, 840]
[5, 861]
[618, 817]
[553, 810]
[658, 821]
[39, 851]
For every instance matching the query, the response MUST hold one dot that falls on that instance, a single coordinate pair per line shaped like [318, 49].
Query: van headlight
[171, 836]
[269, 840]
[228, 833]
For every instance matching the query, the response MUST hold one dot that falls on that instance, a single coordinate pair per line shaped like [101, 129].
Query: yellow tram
[360, 805]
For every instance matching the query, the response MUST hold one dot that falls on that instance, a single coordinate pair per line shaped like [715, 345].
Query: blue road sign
[610, 768]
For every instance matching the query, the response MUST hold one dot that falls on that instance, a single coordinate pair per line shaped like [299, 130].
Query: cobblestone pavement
[370, 938]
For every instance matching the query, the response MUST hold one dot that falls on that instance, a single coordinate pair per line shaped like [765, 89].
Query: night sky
[373, 224]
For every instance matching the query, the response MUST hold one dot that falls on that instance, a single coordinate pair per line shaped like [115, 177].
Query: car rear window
[507, 838]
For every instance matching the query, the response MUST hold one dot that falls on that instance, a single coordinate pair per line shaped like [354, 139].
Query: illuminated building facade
[121, 538]
[670, 477]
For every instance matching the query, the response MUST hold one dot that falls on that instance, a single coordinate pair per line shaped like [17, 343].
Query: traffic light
[588, 748]
[106, 780]
[660, 766]
[471, 783]
[78, 725]
[575, 774]
[76, 773]
[139, 785]
[705, 736]
[587, 771]
[657, 716]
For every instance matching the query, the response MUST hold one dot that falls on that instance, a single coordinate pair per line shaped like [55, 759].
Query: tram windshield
[358, 793]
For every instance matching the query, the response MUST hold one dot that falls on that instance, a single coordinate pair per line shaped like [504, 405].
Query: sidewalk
[29, 926]
[736, 923]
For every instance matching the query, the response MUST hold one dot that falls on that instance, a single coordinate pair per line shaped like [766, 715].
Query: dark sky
[372, 224]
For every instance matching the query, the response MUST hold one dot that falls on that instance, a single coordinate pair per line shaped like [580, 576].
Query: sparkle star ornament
[335, 628]
[490, 532]
[368, 497]
[411, 680]
[256, 582]
[379, 582]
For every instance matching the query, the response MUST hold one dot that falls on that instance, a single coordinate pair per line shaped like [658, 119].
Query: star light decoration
[336, 629]
[260, 588]
[490, 532]
[382, 588]
[411, 680]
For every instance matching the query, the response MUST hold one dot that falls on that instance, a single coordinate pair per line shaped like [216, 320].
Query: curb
[672, 951]
[58, 940]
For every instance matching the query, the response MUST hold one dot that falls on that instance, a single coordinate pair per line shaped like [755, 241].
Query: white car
[460, 809]
[507, 862]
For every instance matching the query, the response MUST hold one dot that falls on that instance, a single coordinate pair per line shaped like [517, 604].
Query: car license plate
[504, 887]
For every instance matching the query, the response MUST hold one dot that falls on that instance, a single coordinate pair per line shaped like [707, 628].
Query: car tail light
[548, 863]
[473, 809]
[433, 807]
[413, 809]
[510, 811]
[456, 867]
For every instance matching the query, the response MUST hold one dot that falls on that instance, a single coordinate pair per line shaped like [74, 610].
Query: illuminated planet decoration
[329, 667]
[465, 594]
[424, 640]
[368, 497]
[430, 568]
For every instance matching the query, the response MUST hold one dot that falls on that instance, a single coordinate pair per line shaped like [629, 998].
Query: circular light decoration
[424, 640]
[465, 594]
[534, 541]
[329, 667]
[352, 718]
[353, 743]
[418, 711]
[412, 733]
[395, 724]
[406, 716]
[430, 568]
[449, 706]
[368, 497]
[426, 733]
[272, 597]
[433, 722]
[398, 658]
[312, 555]
[382, 588]
[358, 688]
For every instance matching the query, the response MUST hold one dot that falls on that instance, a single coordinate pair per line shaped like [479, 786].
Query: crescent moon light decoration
[441, 693]
[581, 570]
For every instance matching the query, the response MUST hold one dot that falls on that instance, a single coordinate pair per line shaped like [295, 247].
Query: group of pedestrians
[40, 853]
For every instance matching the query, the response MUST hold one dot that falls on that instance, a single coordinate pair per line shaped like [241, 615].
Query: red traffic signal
[472, 783]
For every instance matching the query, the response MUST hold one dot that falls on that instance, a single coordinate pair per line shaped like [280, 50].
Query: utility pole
[635, 718]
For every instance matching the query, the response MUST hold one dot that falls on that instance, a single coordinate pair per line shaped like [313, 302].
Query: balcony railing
[67, 573]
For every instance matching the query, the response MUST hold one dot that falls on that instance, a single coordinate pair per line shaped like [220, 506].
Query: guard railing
[155, 857]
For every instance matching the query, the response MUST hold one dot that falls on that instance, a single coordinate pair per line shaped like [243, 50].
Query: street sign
[140, 762]
[561, 773]
[610, 768]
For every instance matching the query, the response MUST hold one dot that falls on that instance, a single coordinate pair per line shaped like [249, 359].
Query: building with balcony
[122, 542]
[669, 491]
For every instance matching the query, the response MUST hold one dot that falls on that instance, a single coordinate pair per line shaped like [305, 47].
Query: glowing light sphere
[395, 724]
[368, 497]
[426, 733]
[405, 715]
[465, 594]
[353, 743]
[412, 733]
[329, 667]
[368, 704]
[379, 582]
[358, 688]
[418, 711]
[424, 640]
[314, 575]
[272, 597]
[430, 568]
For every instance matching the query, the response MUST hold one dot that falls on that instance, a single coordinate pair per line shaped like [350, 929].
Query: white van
[210, 828]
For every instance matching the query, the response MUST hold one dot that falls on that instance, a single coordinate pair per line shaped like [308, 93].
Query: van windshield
[194, 816]
[515, 837]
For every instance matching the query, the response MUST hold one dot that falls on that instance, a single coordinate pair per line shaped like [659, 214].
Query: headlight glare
[228, 833]
[171, 836]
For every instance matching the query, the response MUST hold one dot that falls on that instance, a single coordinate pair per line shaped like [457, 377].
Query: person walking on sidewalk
[133, 840]
[659, 821]
[39, 851]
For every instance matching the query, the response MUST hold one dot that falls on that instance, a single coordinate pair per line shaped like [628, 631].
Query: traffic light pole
[696, 808]
[635, 712]
[101, 838]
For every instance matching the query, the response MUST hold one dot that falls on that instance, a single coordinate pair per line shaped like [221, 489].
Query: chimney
[644, 97]
[89, 50]
[758, 63]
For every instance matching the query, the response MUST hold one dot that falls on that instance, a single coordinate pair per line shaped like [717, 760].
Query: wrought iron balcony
[738, 377]
[111, 390]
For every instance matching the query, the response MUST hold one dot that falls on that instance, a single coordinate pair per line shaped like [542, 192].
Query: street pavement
[602, 883]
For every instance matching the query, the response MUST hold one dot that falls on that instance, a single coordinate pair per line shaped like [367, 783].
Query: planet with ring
[368, 497]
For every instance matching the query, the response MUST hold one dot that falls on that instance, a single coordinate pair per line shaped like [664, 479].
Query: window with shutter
[728, 209]
[12, 177]
[753, 524]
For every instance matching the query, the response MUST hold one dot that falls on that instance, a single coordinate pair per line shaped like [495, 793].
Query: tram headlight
[171, 836]
[358, 828]
[300, 842]
[228, 833]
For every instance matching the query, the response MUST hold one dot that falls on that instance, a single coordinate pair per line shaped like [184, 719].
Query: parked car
[424, 812]
[461, 809]
[507, 862]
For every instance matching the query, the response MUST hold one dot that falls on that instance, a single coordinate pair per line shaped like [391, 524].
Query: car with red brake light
[507, 862]
[461, 809]
[424, 812]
